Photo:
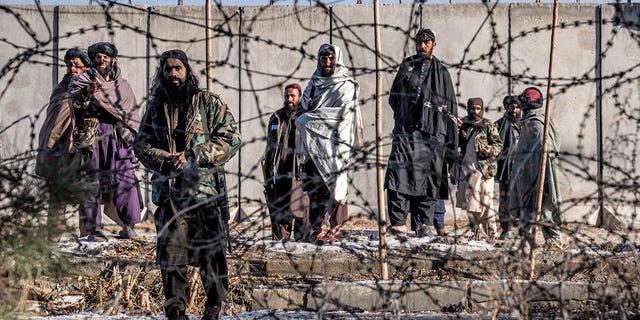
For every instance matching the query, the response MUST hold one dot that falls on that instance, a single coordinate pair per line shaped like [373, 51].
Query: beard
[512, 116]
[425, 54]
[105, 71]
[291, 105]
[175, 92]
[328, 71]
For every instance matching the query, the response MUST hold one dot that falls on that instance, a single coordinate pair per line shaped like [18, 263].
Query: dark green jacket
[154, 142]
[509, 134]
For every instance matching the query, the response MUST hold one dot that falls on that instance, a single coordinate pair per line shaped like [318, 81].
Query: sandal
[97, 236]
[402, 236]
[326, 238]
[127, 233]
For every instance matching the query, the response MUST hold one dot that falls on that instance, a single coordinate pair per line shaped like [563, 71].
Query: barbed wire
[597, 274]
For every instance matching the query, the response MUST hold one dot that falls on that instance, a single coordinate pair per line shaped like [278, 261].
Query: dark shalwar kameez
[424, 139]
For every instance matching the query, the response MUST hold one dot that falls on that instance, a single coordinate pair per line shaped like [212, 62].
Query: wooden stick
[384, 270]
[545, 142]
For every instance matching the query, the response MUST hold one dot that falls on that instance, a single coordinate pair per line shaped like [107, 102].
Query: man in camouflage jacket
[480, 144]
[185, 138]
[286, 200]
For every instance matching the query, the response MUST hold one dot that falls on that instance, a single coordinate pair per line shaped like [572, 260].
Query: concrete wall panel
[25, 82]
[620, 109]
[573, 103]
[472, 39]
[279, 48]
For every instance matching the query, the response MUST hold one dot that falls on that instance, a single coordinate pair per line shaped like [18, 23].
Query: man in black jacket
[424, 137]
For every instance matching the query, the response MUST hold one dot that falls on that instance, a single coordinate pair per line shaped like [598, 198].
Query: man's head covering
[77, 53]
[294, 85]
[531, 98]
[475, 102]
[340, 68]
[336, 51]
[161, 83]
[106, 48]
[425, 34]
[509, 100]
[175, 54]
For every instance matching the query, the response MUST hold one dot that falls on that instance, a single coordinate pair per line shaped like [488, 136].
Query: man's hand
[178, 160]
[94, 87]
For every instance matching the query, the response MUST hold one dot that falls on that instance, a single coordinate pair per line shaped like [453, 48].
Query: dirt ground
[120, 276]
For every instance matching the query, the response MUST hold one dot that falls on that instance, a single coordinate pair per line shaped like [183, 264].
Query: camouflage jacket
[487, 144]
[203, 178]
[279, 130]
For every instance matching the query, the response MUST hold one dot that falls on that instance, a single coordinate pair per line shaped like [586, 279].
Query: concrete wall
[492, 50]
[574, 59]
[620, 109]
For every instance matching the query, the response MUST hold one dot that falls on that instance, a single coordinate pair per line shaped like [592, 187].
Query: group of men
[92, 133]
[310, 144]
[305, 161]
[475, 151]
[87, 136]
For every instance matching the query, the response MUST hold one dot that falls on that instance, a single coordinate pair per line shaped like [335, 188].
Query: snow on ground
[366, 241]
[283, 315]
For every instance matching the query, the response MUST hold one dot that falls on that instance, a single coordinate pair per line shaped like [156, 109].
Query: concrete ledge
[448, 296]
[485, 295]
[367, 296]
[298, 266]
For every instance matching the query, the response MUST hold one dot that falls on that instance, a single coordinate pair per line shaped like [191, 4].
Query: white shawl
[331, 125]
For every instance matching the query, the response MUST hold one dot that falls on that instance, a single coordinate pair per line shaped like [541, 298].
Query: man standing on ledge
[329, 127]
[424, 145]
[55, 162]
[285, 198]
[509, 128]
[525, 178]
[186, 137]
[106, 115]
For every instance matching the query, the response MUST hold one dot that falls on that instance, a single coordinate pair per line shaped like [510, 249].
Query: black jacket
[425, 136]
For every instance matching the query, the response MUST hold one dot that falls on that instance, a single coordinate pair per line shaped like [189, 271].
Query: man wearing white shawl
[329, 128]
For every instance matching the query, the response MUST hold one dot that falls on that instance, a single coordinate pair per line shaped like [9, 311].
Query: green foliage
[25, 250]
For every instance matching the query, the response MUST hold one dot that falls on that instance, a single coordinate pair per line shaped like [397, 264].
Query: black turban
[175, 54]
[509, 100]
[104, 48]
[77, 53]
[425, 35]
